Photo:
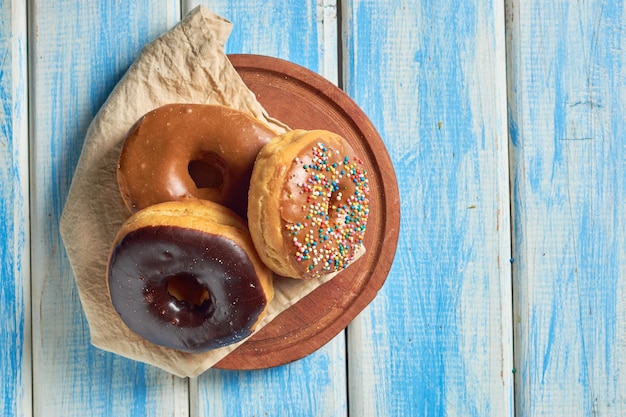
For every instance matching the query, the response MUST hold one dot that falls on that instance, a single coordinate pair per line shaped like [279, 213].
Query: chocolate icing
[324, 207]
[147, 260]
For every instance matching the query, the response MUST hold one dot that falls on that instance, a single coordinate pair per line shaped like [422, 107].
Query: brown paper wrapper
[185, 65]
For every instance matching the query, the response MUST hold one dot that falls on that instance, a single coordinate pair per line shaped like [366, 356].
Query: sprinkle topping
[330, 193]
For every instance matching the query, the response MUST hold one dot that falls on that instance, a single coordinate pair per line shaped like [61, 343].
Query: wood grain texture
[432, 76]
[437, 340]
[15, 364]
[304, 33]
[566, 68]
[78, 51]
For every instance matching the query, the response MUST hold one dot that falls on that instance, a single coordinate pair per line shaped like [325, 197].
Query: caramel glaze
[149, 260]
[324, 207]
[183, 151]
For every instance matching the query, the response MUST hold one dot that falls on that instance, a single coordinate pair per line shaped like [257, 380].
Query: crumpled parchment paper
[185, 65]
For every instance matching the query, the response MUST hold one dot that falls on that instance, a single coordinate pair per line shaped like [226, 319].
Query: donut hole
[337, 197]
[186, 288]
[207, 171]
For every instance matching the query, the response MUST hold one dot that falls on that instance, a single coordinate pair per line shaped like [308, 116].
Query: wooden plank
[313, 386]
[304, 33]
[567, 96]
[79, 50]
[15, 360]
[436, 341]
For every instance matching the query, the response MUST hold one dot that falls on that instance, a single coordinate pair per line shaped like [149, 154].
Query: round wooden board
[303, 99]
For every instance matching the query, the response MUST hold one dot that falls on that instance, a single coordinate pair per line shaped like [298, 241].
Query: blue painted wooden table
[504, 121]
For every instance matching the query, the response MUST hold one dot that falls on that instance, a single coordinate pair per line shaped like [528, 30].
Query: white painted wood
[566, 68]
[437, 340]
[78, 51]
[15, 343]
[304, 33]
[431, 76]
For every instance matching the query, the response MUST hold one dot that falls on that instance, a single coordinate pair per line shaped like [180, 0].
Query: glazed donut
[308, 204]
[182, 151]
[185, 275]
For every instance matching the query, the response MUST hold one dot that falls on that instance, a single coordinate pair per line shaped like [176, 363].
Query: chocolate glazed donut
[191, 287]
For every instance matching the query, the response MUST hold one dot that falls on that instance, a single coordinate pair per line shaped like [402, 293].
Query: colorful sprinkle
[334, 233]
